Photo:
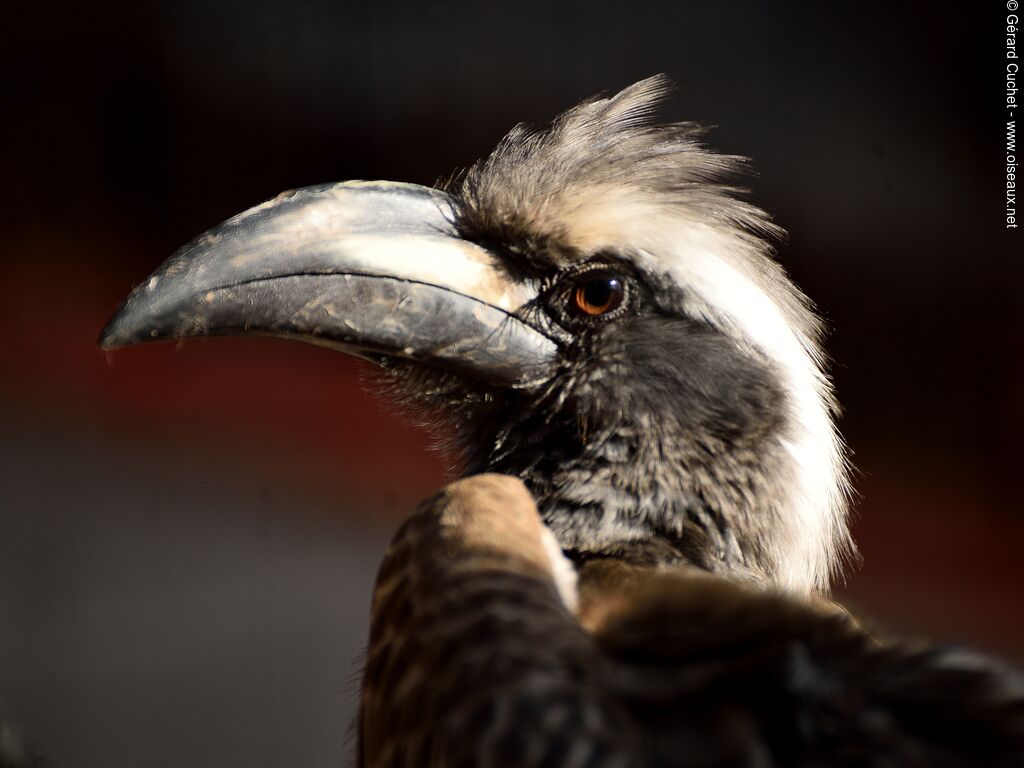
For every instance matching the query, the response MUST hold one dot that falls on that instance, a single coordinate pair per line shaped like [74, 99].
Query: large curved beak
[375, 269]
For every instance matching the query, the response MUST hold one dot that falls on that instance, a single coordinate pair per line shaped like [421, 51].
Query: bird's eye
[598, 293]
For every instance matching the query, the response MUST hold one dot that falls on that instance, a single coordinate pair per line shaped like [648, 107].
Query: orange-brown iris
[598, 295]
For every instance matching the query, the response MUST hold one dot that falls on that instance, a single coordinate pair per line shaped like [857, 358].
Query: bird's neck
[643, 492]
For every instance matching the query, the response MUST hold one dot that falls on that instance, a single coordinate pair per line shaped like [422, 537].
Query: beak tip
[112, 336]
[124, 328]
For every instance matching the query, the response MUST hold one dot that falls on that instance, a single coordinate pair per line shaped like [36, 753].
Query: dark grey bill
[370, 268]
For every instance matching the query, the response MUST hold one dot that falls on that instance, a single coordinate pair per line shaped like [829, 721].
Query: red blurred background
[188, 535]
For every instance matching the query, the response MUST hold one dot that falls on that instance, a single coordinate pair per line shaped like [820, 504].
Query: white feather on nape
[605, 176]
[562, 570]
[814, 532]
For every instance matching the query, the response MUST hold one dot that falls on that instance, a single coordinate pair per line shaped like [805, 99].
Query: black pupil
[601, 291]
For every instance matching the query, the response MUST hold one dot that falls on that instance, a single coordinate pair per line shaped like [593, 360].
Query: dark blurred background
[188, 535]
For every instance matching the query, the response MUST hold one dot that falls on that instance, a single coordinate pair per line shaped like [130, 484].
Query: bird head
[593, 308]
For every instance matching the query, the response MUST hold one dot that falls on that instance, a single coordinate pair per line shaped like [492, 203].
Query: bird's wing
[723, 674]
[476, 660]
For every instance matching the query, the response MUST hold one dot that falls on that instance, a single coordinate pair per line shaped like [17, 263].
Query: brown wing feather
[473, 658]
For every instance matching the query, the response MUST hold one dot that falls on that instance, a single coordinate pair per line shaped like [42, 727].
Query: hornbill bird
[634, 568]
